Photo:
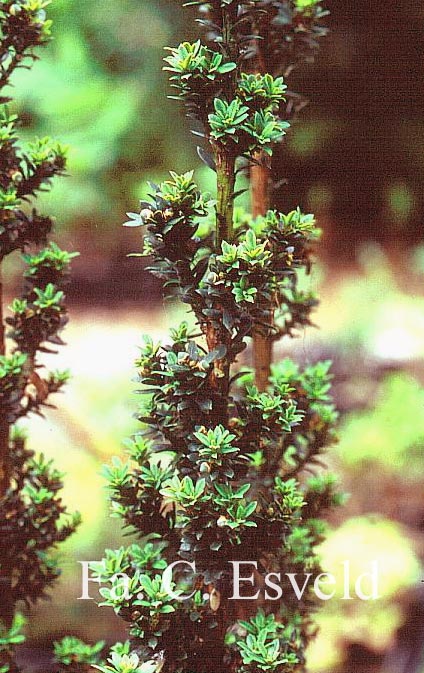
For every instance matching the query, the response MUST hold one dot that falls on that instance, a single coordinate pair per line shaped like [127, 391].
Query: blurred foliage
[387, 307]
[390, 436]
[373, 624]
[381, 455]
[97, 88]
[366, 156]
[355, 159]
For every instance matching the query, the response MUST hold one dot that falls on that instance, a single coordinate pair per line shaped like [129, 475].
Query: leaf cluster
[198, 490]
[23, 26]
[33, 518]
[33, 522]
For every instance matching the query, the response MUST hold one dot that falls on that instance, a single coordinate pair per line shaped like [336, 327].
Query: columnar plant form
[223, 470]
[32, 516]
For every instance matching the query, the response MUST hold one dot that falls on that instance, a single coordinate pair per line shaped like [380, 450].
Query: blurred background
[355, 158]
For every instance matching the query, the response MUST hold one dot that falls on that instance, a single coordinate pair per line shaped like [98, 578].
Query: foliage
[33, 517]
[370, 624]
[90, 89]
[391, 434]
[73, 654]
[380, 454]
[122, 660]
[98, 87]
[217, 474]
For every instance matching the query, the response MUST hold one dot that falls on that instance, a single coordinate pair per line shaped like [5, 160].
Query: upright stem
[226, 179]
[260, 177]
[225, 158]
[4, 425]
[216, 334]
[262, 342]
[259, 185]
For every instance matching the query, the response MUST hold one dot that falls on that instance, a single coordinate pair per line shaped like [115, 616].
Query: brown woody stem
[4, 425]
[216, 334]
[226, 179]
[262, 341]
[259, 185]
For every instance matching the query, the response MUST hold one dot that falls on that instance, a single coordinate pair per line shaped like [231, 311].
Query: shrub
[218, 473]
[33, 519]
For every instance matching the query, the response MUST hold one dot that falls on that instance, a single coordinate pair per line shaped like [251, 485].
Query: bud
[146, 214]
[16, 177]
[214, 600]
